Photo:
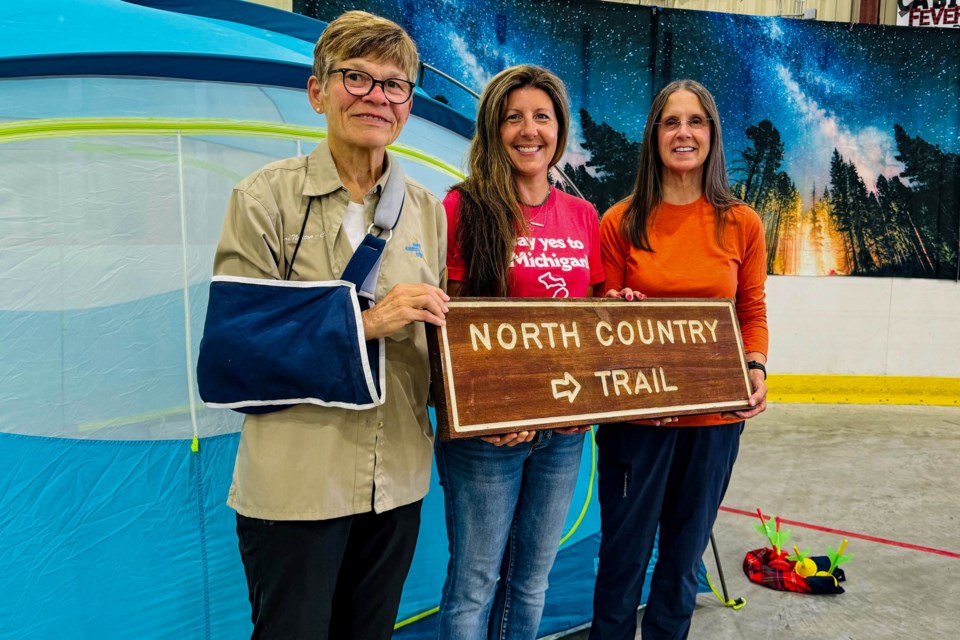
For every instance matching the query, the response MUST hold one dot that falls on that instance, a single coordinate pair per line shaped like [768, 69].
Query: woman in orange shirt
[681, 233]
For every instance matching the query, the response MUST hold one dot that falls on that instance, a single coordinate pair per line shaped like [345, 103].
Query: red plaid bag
[756, 564]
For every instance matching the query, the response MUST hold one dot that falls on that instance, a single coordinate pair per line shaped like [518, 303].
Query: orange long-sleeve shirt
[687, 262]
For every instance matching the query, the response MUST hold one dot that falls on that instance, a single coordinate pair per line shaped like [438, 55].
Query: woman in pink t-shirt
[511, 234]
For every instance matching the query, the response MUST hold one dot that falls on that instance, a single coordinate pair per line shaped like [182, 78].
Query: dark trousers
[672, 476]
[334, 579]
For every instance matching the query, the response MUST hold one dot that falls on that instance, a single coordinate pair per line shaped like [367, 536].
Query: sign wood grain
[502, 365]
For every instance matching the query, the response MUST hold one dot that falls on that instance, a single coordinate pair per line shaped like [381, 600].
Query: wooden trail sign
[502, 365]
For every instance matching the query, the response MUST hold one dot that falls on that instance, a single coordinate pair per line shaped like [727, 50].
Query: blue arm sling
[269, 344]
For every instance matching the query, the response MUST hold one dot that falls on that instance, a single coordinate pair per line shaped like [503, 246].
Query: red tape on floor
[849, 534]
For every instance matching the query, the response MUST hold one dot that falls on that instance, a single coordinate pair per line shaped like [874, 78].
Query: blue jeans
[505, 509]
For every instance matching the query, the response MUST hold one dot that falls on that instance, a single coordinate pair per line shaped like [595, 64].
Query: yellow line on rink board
[843, 389]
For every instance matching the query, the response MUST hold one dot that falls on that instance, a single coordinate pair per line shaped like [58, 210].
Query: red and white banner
[928, 13]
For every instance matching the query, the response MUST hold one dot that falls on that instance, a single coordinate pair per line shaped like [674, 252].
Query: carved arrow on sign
[565, 381]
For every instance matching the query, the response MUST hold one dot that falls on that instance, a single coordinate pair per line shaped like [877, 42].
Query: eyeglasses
[671, 125]
[360, 83]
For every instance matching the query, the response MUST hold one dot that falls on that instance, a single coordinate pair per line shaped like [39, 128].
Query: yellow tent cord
[733, 604]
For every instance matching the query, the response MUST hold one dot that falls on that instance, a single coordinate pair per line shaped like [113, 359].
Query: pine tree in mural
[851, 209]
[905, 245]
[934, 179]
[909, 225]
[613, 161]
[770, 192]
[781, 214]
[760, 163]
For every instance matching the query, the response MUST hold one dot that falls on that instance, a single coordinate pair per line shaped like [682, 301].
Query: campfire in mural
[905, 225]
[893, 229]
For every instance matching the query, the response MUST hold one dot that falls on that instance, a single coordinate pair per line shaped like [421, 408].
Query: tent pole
[716, 557]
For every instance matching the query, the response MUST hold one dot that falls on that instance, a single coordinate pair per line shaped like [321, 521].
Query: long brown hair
[490, 215]
[647, 192]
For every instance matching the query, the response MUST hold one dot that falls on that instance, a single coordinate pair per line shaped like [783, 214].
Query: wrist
[759, 366]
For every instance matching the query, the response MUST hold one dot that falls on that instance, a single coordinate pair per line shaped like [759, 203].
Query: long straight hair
[490, 214]
[647, 193]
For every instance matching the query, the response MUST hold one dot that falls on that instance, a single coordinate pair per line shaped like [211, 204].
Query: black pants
[672, 476]
[337, 579]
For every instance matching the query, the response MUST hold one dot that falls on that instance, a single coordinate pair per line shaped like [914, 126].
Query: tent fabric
[123, 129]
[114, 475]
[248, 13]
[118, 539]
[169, 44]
[53, 39]
[133, 220]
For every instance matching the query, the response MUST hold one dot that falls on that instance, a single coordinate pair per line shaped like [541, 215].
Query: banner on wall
[845, 139]
[928, 13]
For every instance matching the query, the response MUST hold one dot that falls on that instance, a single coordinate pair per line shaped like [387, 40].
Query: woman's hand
[625, 294]
[758, 399]
[572, 431]
[406, 303]
[510, 439]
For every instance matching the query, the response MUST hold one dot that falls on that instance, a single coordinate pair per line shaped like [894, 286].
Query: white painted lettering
[603, 375]
[696, 329]
[549, 327]
[665, 330]
[530, 333]
[680, 325]
[663, 380]
[625, 327]
[642, 384]
[571, 333]
[484, 337]
[648, 339]
[507, 328]
[712, 328]
[620, 379]
[605, 326]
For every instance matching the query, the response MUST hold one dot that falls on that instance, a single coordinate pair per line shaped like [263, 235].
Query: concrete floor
[886, 476]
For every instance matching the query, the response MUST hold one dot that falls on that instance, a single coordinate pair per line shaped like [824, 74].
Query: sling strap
[364, 267]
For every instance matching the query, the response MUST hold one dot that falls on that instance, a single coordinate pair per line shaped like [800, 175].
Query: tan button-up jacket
[311, 462]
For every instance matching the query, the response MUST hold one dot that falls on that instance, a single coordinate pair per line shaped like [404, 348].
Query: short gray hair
[358, 34]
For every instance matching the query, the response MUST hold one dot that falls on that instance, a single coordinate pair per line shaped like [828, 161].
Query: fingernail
[629, 296]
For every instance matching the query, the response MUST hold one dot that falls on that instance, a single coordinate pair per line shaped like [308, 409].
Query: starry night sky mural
[846, 139]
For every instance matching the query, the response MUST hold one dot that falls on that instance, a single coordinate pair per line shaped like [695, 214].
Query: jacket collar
[322, 177]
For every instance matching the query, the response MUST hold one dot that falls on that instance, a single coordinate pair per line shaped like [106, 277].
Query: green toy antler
[766, 528]
[836, 557]
[771, 529]
[797, 556]
[779, 537]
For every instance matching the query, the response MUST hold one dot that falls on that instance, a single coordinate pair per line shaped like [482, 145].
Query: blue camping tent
[123, 127]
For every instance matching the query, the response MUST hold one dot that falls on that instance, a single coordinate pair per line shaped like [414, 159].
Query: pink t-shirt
[560, 258]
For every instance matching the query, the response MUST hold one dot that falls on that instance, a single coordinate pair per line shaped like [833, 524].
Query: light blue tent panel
[119, 152]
